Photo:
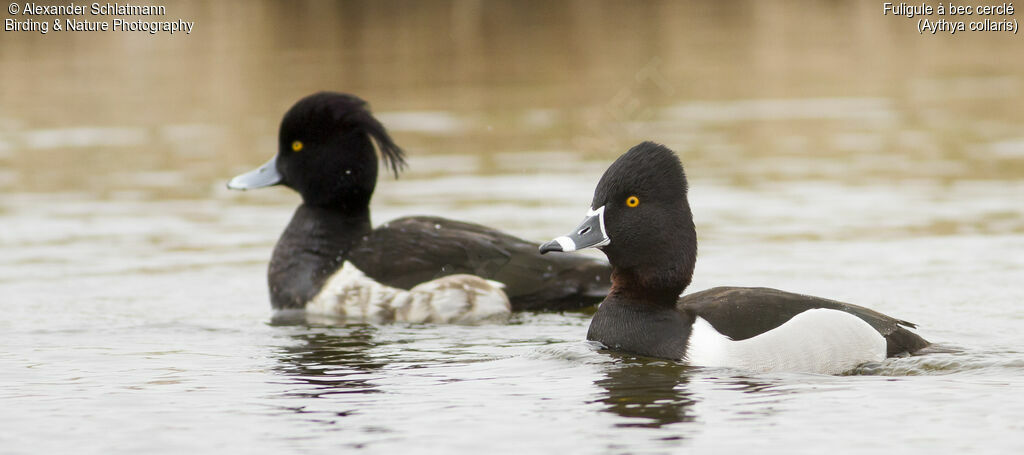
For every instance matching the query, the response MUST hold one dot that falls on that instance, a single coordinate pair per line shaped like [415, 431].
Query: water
[870, 165]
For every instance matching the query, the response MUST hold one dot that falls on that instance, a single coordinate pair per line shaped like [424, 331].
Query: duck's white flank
[463, 299]
[816, 341]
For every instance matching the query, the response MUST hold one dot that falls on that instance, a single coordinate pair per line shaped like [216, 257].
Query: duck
[331, 260]
[640, 218]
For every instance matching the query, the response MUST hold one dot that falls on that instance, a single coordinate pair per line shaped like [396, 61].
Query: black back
[740, 313]
[409, 251]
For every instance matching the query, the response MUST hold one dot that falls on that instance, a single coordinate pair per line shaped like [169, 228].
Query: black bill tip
[550, 246]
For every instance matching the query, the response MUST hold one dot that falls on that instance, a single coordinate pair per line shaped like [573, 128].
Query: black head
[640, 218]
[326, 153]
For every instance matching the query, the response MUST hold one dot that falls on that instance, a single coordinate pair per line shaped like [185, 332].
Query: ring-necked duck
[640, 218]
[331, 260]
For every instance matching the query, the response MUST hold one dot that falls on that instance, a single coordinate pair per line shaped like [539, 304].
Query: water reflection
[330, 359]
[651, 393]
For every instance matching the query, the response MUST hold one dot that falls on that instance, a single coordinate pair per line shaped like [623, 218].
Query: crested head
[330, 113]
[649, 170]
[652, 242]
[326, 152]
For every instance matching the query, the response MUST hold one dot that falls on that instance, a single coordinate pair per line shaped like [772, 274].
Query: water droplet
[348, 171]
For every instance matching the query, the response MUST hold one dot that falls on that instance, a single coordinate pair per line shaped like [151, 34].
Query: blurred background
[746, 91]
[831, 150]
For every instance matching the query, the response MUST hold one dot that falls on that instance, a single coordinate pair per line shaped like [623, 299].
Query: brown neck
[656, 287]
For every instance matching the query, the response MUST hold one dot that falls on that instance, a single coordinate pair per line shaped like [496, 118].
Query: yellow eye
[632, 201]
[296, 146]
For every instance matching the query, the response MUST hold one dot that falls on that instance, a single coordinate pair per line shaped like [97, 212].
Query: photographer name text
[94, 17]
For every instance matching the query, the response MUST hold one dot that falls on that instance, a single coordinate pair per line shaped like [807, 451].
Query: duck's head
[640, 218]
[325, 152]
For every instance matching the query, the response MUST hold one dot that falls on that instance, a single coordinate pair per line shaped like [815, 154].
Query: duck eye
[296, 146]
[632, 201]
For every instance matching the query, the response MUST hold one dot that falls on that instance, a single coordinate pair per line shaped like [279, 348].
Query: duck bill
[265, 175]
[589, 234]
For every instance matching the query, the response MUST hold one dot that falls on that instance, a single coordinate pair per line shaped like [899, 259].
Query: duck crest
[344, 111]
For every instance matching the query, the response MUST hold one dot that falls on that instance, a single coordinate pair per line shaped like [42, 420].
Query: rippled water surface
[855, 159]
